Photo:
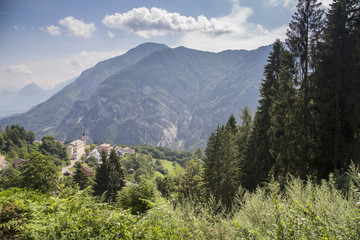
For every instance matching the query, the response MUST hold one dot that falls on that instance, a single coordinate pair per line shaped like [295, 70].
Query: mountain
[162, 96]
[45, 117]
[22, 100]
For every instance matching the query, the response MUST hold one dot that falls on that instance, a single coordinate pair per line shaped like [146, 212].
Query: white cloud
[85, 59]
[52, 30]
[291, 4]
[243, 35]
[18, 70]
[49, 72]
[156, 22]
[78, 28]
[110, 34]
[232, 31]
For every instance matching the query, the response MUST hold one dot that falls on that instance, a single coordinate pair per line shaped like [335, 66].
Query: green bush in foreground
[303, 210]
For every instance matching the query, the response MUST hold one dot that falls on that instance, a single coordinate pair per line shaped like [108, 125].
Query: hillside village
[79, 150]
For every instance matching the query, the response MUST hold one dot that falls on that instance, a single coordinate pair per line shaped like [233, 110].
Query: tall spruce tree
[100, 185]
[109, 178]
[282, 131]
[116, 175]
[221, 164]
[303, 38]
[337, 89]
[211, 173]
[80, 176]
[259, 161]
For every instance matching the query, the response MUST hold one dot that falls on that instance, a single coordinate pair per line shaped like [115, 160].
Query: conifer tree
[116, 176]
[282, 131]
[101, 185]
[211, 174]
[80, 176]
[337, 89]
[222, 164]
[109, 176]
[303, 38]
[258, 160]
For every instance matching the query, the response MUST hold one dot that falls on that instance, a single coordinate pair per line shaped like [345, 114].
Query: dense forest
[289, 172]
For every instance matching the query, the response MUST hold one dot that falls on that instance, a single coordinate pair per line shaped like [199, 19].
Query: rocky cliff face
[173, 97]
[153, 95]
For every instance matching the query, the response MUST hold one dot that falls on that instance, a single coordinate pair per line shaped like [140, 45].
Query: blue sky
[51, 41]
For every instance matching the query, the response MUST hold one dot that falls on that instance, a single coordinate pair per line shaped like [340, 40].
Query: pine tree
[282, 131]
[258, 160]
[222, 164]
[109, 176]
[116, 176]
[303, 38]
[229, 163]
[101, 184]
[337, 89]
[211, 173]
[80, 176]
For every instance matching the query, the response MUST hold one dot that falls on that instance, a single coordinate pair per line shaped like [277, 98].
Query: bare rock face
[169, 97]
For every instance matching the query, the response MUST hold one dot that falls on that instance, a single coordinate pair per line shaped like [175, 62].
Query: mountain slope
[45, 117]
[173, 97]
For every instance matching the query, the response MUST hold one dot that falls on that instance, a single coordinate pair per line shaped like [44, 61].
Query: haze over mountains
[152, 94]
[22, 100]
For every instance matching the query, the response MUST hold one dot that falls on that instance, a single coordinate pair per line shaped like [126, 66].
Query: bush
[137, 197]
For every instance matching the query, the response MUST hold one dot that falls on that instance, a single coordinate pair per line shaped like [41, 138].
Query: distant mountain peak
[31, 88]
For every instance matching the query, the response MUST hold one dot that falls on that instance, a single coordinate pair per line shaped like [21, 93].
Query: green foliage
[16, 141]
[138, 198]
[39, 173]
[9, 177]
[55, 149]
[303, 210]
[141, 163]
[80, 177]
[222, 159]
[164, 153]
[109, 178]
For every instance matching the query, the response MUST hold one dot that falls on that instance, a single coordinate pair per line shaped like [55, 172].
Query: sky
[52, 41]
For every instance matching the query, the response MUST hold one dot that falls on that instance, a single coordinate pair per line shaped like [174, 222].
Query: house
[3, 163]
[121, 151]
[106, 147]
[76, 149]
[17, 162]
[94, 153]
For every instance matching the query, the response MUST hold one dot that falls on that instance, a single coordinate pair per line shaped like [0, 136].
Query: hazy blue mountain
[154, 95]
[22, 100]
[43, 118]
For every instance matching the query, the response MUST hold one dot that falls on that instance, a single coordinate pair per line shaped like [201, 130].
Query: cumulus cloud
[52, 30]
[18, 70]
[78, 28]
[156, 22]
[232, 31]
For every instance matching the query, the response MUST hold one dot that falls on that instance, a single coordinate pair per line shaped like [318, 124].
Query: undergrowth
[303, 210]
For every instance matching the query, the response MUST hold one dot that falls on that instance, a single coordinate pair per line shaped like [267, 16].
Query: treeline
[16, 142]
[308, 120]
[164, 153]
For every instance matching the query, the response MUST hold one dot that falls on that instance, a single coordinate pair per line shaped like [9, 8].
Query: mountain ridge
[172, 96]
